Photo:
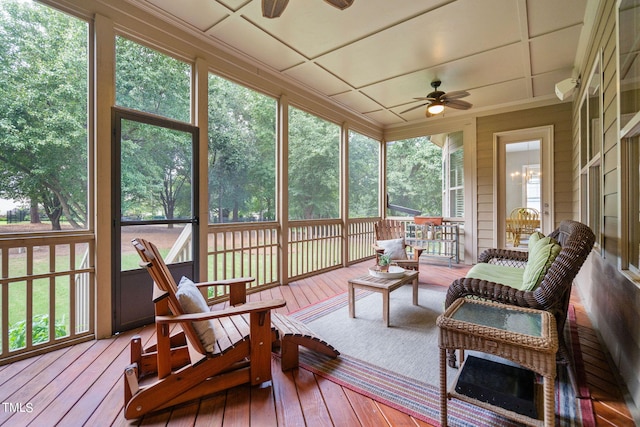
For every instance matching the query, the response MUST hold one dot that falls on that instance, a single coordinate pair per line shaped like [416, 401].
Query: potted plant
[383, 262]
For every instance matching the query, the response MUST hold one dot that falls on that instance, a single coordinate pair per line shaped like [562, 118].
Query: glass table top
[500, 317]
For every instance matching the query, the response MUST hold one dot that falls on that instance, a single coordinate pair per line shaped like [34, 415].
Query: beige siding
[610, 298]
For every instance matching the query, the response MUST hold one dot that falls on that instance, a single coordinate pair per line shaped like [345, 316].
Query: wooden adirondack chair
[388, 230]
[179, 368]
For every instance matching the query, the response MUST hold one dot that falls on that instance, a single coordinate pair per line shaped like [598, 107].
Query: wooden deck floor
[82, 385]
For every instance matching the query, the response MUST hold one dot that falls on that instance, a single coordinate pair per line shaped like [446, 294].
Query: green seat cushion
[510, 276]
[541, 255]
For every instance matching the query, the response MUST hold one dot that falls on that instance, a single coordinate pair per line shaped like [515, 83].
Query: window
[152, 82]
[314, 167]
[43, 119]
[629, 74]
[632, 167]
[44, 170]
[242, 153]
[364, 176]
[453, 176]
[414, 176]
[590, 152]
[523, 180]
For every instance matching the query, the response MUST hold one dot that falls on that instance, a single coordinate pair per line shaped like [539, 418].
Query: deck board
[337, 403]
[83, 384]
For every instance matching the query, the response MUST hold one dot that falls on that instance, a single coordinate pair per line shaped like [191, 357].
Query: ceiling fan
[438, 99]
[274, 8]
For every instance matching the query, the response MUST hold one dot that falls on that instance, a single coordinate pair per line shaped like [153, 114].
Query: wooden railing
[84, 295]
[247, 249]
[44, 277]
[182, 248]
[314, 246]
[47, 292]
[252, 249]
[361, 237]
[448, 245]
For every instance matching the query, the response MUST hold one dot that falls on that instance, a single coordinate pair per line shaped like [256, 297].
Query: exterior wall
[559, 116]
[612, 300]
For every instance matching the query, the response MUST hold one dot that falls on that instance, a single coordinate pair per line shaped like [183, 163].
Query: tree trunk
[53, 208]
[33, 212]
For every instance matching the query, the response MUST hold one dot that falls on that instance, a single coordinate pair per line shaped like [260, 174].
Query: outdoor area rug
[399, 365]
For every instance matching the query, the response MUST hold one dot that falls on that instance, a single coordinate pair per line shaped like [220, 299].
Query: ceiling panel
[467, 73]
[236, 32]
[554, 51]
[313, 27]
[377, 55]
[202, 14]
[545, 16]
[231, 4]
[357, 101]
[425, 41]
[545, 84]
[314, 76]
[501, 93]
[384, 117]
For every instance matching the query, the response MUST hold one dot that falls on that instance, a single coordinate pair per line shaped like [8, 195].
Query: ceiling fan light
[435, 108]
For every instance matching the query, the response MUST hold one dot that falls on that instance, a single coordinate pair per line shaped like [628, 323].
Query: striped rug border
[422, 400]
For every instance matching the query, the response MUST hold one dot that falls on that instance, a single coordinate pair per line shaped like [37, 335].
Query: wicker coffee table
[384, 286]
[525, 336]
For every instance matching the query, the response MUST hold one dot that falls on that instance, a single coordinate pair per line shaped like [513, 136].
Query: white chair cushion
[193, 302]
[394, 248]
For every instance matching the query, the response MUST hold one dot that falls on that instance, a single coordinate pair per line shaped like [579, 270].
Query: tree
[241, 151]
[156, 171]
[414, 175]
[314, 167]
[364, 154]
[156, 165]
[43, 110]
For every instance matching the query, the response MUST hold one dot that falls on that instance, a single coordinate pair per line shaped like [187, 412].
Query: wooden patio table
[383, 286]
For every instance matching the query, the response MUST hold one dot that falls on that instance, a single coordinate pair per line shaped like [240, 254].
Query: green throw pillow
[541, 256]
[534, 238]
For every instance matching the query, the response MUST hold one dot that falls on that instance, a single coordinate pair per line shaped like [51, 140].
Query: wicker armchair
[552, 294]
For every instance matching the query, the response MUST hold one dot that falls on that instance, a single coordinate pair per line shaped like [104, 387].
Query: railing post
[283, 187]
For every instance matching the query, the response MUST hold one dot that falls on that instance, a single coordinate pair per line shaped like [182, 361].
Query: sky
[7, 205]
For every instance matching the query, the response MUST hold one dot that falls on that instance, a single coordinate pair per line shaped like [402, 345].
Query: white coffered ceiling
[376, 55]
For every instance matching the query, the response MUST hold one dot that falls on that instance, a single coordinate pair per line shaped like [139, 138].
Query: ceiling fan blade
[412, 108]
[273, 8]
[425, 98]
[456, 94]
[340, 4]
[458, 104]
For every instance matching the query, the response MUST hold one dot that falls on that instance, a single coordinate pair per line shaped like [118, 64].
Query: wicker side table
[522, 335]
